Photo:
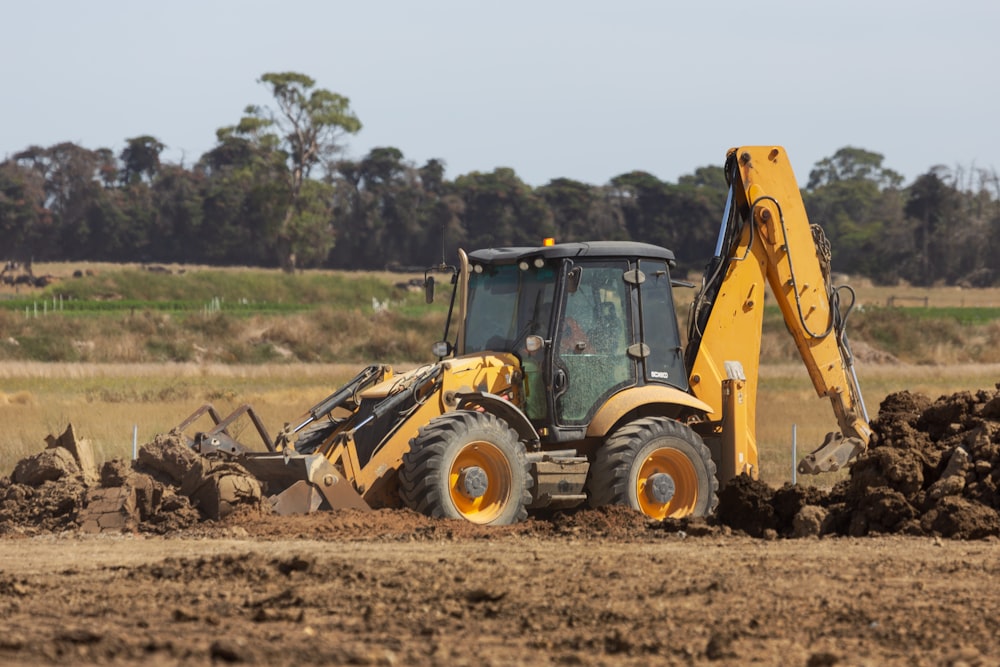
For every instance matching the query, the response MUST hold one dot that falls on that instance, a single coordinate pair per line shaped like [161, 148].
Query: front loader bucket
[300, 484]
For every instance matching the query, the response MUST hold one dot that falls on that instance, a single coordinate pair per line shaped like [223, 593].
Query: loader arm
[766, 235]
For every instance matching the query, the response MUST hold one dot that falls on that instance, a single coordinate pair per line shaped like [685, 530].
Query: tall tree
[75, 195]
[948, 238]
[853, 164]
[390, 213]
[500, 209]
[582, 212]
[140, 157]
[309, 123]
[24, 221]
[856, 200]
[245, 198]
[178, 203]
[682, 218]
[441, 213]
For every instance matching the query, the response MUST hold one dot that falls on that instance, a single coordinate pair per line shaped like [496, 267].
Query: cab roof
[591, 249]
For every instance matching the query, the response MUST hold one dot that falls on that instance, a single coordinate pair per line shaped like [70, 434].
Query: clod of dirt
[80, 449]
[810, 521]
[114, 473]
[218, 487]
[50, 506]
[46, 466]
[109, 509]
[45, 490]
[960, 518]
[167, 455]
[952, 480]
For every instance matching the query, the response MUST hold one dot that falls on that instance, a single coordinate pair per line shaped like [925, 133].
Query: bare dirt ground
[174, 559]
[396, 589]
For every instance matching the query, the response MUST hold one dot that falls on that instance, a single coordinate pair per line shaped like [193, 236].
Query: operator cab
[586, 319]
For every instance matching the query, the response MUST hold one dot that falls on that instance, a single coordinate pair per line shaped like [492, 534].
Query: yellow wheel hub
[667, 484]
[480, 482]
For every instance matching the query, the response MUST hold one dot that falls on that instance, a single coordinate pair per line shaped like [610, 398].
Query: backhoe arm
[766, 236]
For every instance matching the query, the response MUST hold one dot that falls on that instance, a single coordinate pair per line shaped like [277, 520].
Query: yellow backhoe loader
[563, 380]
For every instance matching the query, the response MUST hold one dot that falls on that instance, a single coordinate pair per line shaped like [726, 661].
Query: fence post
[795, 454]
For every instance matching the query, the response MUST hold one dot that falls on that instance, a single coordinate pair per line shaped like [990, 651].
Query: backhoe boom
[766, 235]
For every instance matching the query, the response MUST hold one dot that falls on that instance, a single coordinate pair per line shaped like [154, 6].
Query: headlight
[534, 343]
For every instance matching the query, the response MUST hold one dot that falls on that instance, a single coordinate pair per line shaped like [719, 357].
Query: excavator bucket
[835, 453]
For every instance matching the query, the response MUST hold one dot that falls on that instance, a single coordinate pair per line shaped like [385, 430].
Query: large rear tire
[657, 466]
[467, 465]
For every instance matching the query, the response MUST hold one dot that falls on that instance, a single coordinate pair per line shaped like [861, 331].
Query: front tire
[467, 465]
[657, 466]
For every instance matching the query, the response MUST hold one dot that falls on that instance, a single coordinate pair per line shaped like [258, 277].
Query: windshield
[506, 304]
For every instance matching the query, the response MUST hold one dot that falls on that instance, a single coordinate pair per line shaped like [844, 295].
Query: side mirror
[573, 279]
[442, 349]
[429, 289]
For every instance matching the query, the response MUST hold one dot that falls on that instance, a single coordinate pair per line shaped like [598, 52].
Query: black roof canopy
[592, 249]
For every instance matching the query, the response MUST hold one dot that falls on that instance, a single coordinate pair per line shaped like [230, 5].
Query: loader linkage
[296, 478]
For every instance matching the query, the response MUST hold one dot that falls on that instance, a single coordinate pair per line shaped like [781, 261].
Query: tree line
[277, 190]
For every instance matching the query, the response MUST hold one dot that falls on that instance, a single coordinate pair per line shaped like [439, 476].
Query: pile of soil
[167, 488]
[933, 469]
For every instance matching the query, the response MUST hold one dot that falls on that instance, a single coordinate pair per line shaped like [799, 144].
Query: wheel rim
[491, 460]
[676, 464]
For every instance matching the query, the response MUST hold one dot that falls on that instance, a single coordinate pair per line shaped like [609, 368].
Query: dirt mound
[168, 488]
[758, 510]
[933, 469]
[868, 354]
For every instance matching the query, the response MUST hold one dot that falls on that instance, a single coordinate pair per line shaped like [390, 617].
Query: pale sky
[579, 89]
